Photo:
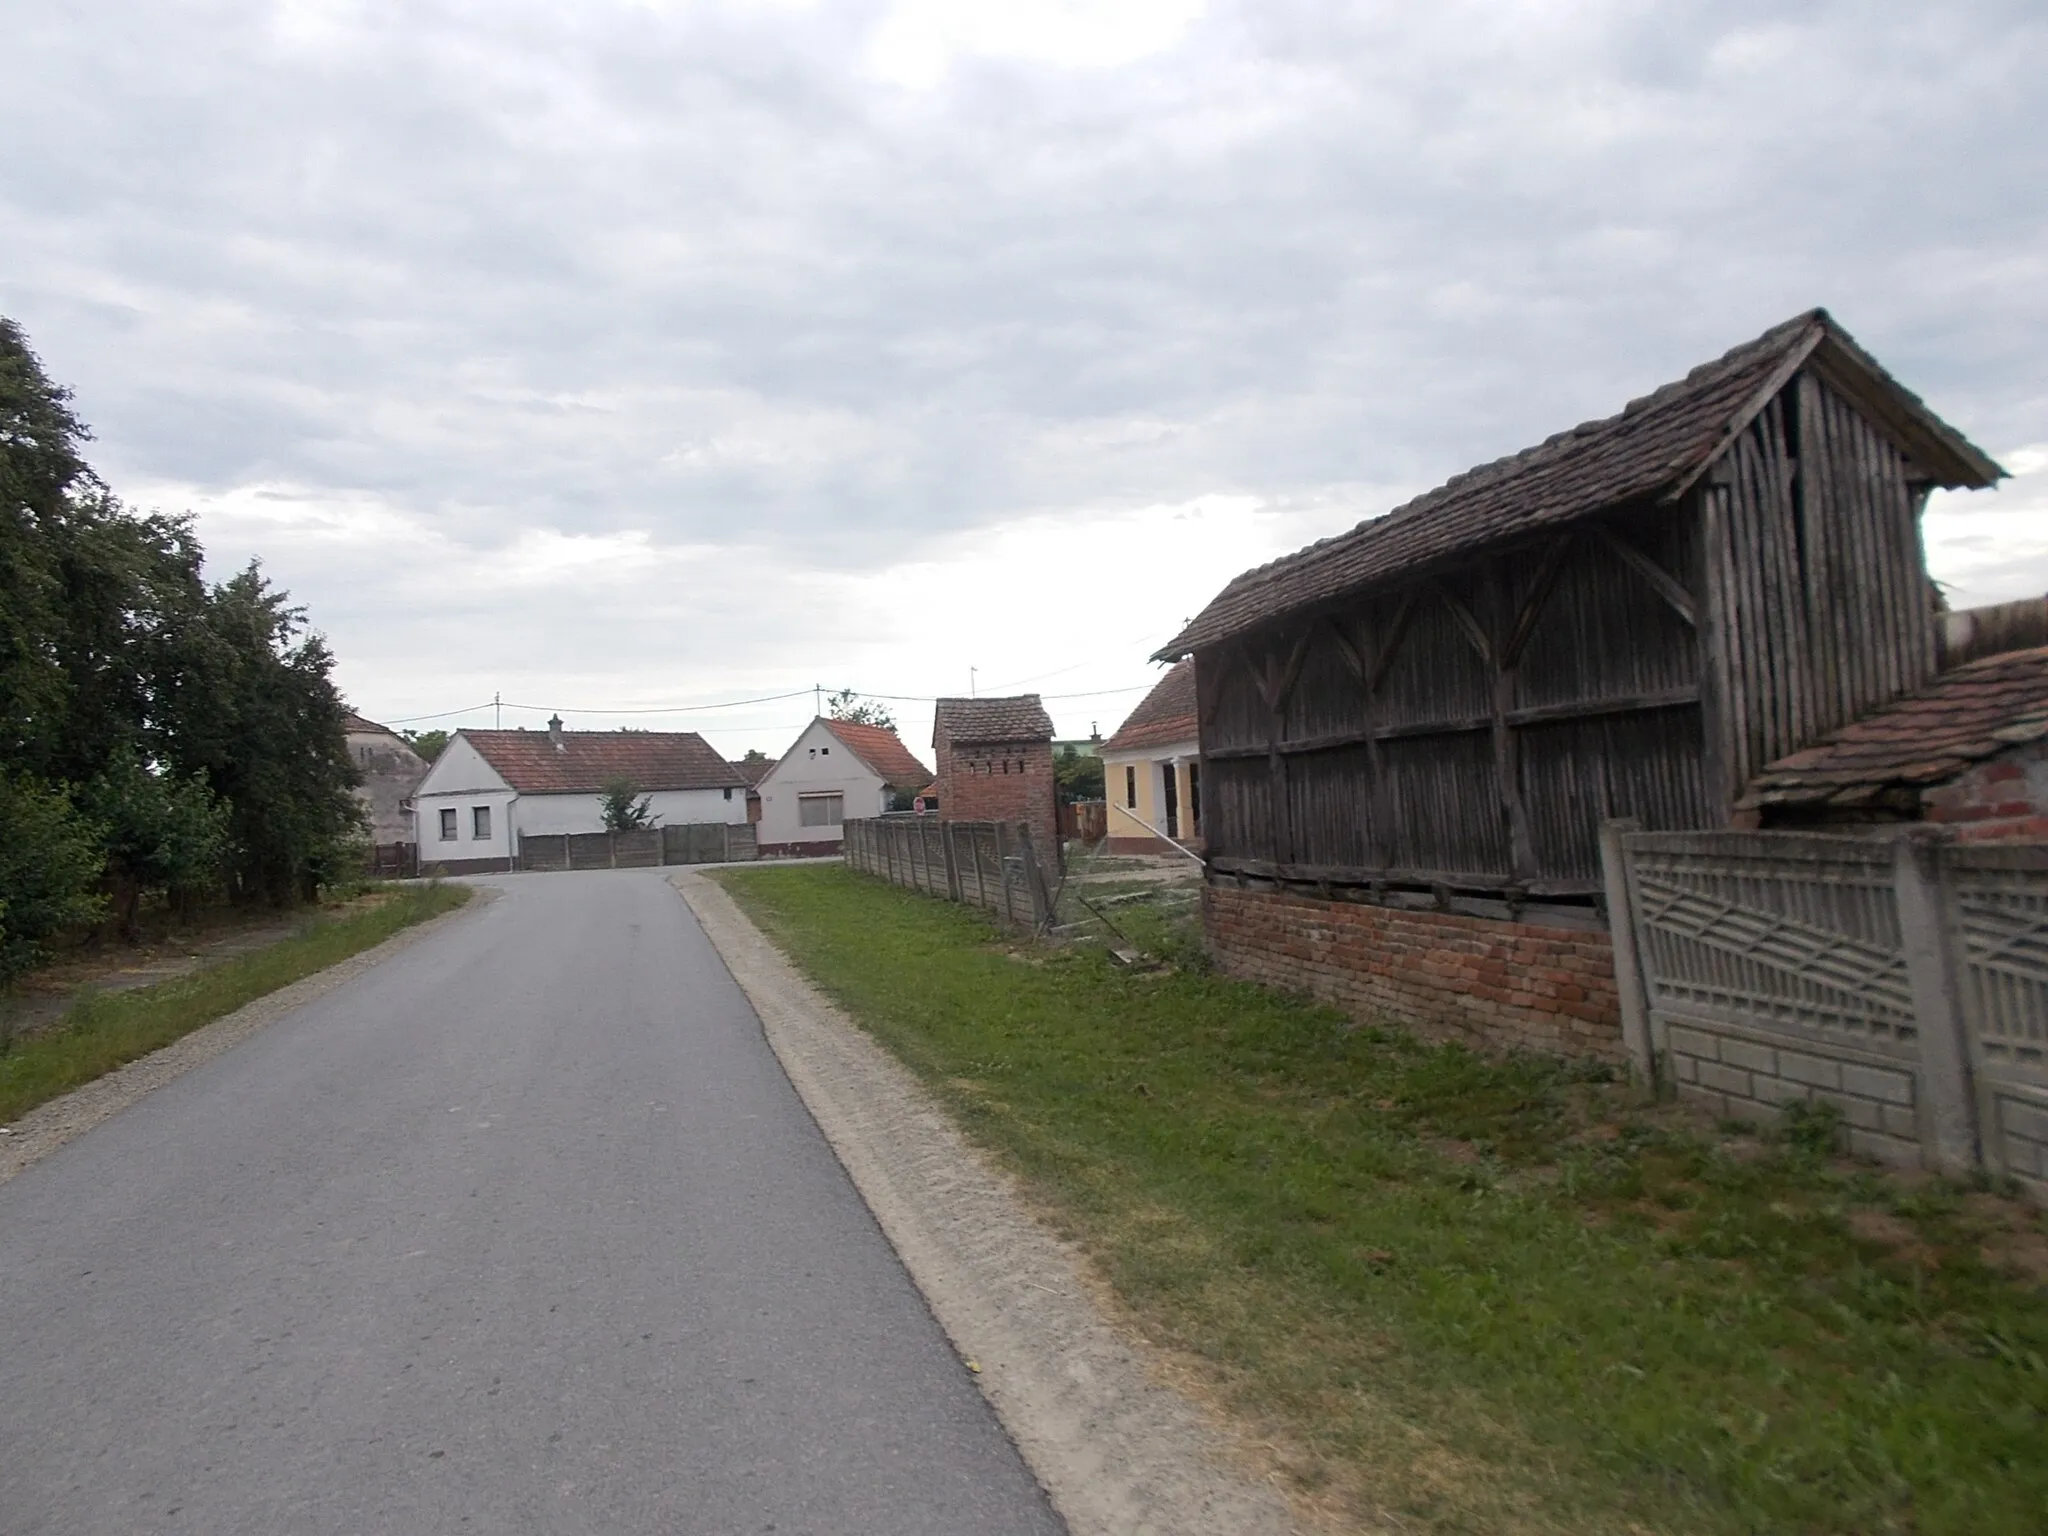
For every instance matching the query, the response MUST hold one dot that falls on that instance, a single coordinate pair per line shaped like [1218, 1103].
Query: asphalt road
[523, 1230]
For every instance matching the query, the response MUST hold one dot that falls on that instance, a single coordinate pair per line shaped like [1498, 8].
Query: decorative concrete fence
[1902, 978]
[989, 864]
[709, 842]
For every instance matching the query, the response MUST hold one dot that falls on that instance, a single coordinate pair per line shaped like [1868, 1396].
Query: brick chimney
[555, 732]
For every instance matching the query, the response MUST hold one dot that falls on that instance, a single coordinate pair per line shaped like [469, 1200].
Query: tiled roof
[1167, 714]
[1020, 717]
[356, 725]
[1928, 737]
[756, 771]
[587, 760]
[883, 751]
[1656, 446]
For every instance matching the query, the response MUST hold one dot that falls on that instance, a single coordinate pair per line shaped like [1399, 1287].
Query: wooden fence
[988, 864]
[393, 861]
[1903, 979]
[707, 842]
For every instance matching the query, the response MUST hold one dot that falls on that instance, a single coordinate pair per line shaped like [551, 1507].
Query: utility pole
[818, 697]
[972, 673]
[498, 709]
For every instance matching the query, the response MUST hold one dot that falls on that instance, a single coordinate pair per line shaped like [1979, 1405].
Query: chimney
[555, 732]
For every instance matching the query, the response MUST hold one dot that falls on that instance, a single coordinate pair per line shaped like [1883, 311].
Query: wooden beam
[1397, 631]
[1474, 631]
[1760, 397]
[1666, 585]
[1538, 714]
[1539, 593]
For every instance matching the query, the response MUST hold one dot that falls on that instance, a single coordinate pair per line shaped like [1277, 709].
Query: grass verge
[1464, 1294]
[108, 1030]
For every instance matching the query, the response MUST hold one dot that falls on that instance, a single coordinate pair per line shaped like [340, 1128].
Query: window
[1131, 787]
[728, 791]
[480, 822]
[820, 810]
[448, 824]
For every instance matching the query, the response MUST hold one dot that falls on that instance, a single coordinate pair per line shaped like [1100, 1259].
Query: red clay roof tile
[588, 760]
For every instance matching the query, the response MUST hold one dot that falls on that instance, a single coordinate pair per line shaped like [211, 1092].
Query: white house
[836, 770]
[1152, 770]
[489, 787]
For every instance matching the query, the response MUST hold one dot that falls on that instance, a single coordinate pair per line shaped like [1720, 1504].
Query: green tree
[1077, 775]
[851, 707]
[264, 722]
[160, 833]
[50, 863]
[427, 743]
[624, 808]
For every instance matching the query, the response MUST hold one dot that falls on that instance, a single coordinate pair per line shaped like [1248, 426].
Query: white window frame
[451, 824]
[480, 823]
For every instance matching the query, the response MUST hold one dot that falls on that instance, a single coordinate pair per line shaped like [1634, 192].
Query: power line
[693, 709]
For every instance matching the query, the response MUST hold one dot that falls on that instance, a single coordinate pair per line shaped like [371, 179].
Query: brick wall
[1494, 985]
[1002, 781]
[2006, 796]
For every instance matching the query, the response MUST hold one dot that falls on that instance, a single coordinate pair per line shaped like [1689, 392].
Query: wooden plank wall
[1472, 728]
[1812, 534]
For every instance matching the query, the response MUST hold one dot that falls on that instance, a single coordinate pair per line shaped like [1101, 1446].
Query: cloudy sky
[611, 357]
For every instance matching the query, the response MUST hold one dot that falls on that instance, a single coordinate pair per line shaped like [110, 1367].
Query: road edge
[1119, 1452]
[57, 1121]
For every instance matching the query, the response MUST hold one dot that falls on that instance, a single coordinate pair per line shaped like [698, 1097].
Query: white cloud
[667, 352]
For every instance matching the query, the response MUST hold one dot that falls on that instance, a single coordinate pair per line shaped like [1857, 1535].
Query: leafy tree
[427, 743]
[624, 808]
[159, 832]
[756, 758]
[264, 722]
[50, 862]
[851, 707]
[1077, 775]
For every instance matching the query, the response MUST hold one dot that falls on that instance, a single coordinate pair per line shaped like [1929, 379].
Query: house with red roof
[487, 789]
[1152, 770]
[836, 769]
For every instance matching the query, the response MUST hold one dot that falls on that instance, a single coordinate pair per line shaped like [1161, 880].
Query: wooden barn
[1435, 711]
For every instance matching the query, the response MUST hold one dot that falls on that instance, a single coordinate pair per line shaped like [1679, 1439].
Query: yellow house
[1152, 770]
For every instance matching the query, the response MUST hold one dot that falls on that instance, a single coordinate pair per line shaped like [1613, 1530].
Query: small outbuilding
[1969, 751]
[835, 770]
[1412, 732]
[995, 764]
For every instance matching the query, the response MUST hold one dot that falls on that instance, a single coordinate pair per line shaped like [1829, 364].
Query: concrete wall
[818, 763]
[1493, 985]
[391, 771]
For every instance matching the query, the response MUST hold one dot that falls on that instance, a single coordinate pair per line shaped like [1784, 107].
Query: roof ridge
[1554, 446]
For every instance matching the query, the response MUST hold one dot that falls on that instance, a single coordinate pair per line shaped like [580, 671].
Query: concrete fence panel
[1903, 980]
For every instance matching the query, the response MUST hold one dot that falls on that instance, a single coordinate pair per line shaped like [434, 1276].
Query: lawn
[108, 1030]
[1463, 1294]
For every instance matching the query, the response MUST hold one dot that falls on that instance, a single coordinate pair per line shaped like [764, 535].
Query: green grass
[1468, 1294]
[107, 1030]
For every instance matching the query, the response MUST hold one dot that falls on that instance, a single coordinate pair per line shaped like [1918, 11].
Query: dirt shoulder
[1117, 1448]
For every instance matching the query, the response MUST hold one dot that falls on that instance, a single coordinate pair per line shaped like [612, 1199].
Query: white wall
[818, 763]
[461, 780]
[545, 815]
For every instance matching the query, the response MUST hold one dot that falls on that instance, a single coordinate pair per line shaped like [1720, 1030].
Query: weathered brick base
[1493, 985]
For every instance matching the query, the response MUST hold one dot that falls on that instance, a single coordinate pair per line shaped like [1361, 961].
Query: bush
[50, 862]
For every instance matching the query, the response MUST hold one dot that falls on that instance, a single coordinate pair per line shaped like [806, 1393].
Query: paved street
[523, 1230]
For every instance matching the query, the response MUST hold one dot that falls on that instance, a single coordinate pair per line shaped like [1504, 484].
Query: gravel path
[1121, 1452]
